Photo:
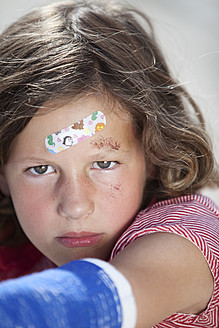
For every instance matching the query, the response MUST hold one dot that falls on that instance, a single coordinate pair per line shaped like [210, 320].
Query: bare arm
[168, 274]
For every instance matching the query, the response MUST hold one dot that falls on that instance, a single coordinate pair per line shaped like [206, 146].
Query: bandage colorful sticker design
[75, 133]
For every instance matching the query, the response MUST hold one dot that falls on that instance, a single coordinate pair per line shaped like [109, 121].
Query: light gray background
[188, 31]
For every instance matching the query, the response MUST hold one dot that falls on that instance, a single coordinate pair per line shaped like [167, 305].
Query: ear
[3, 183]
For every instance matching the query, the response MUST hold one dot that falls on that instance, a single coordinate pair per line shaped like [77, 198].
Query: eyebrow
[105, 143]
[30, 160]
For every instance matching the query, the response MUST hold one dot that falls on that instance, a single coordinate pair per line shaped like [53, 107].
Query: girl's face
[76, 203]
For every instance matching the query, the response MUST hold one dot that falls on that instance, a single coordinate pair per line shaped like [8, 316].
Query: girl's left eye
[104, 165]
[41, 169]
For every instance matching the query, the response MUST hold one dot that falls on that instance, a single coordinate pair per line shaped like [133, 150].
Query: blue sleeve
[78, 294]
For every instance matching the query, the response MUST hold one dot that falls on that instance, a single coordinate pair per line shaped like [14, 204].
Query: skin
[75, 194]
[167, 273]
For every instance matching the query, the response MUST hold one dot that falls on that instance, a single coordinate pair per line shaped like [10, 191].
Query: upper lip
[82, 234]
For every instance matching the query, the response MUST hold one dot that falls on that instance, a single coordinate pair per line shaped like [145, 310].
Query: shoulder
[194, 217]
[165, 247]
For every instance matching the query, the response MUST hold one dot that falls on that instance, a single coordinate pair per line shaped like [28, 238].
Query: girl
[103, 156]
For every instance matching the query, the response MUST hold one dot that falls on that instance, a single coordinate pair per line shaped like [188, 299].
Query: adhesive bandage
[75, 133]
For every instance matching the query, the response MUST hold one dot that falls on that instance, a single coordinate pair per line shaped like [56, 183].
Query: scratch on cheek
[116, 188]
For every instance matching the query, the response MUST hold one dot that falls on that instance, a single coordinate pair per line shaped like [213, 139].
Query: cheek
[120, 207]
[122, 201]
[31, 209]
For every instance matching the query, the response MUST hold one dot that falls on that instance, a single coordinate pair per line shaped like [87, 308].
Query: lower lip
[74, 242]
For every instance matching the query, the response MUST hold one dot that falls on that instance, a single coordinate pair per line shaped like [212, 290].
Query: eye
[104, 165]
[41, 169]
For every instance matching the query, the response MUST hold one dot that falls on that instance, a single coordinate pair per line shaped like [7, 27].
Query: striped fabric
[196, 218]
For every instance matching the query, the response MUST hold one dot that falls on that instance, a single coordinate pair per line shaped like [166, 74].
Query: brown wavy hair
[68, 49]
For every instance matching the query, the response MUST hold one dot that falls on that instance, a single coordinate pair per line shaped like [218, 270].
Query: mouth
[79, 239]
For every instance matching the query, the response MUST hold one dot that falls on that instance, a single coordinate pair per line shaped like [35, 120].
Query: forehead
[73, 111]
[48, 121]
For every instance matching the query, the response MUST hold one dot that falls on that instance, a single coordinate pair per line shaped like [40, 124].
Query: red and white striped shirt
[196, 218]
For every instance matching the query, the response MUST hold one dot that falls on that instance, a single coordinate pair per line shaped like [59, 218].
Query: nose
[75, 199]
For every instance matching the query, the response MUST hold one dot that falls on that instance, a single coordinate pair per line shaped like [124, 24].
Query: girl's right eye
[41, 169]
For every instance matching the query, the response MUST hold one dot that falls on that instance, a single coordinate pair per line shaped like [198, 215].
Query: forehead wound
[75, 133]
[106, 142]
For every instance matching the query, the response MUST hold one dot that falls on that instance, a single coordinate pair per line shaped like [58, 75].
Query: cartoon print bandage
[75, 133]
